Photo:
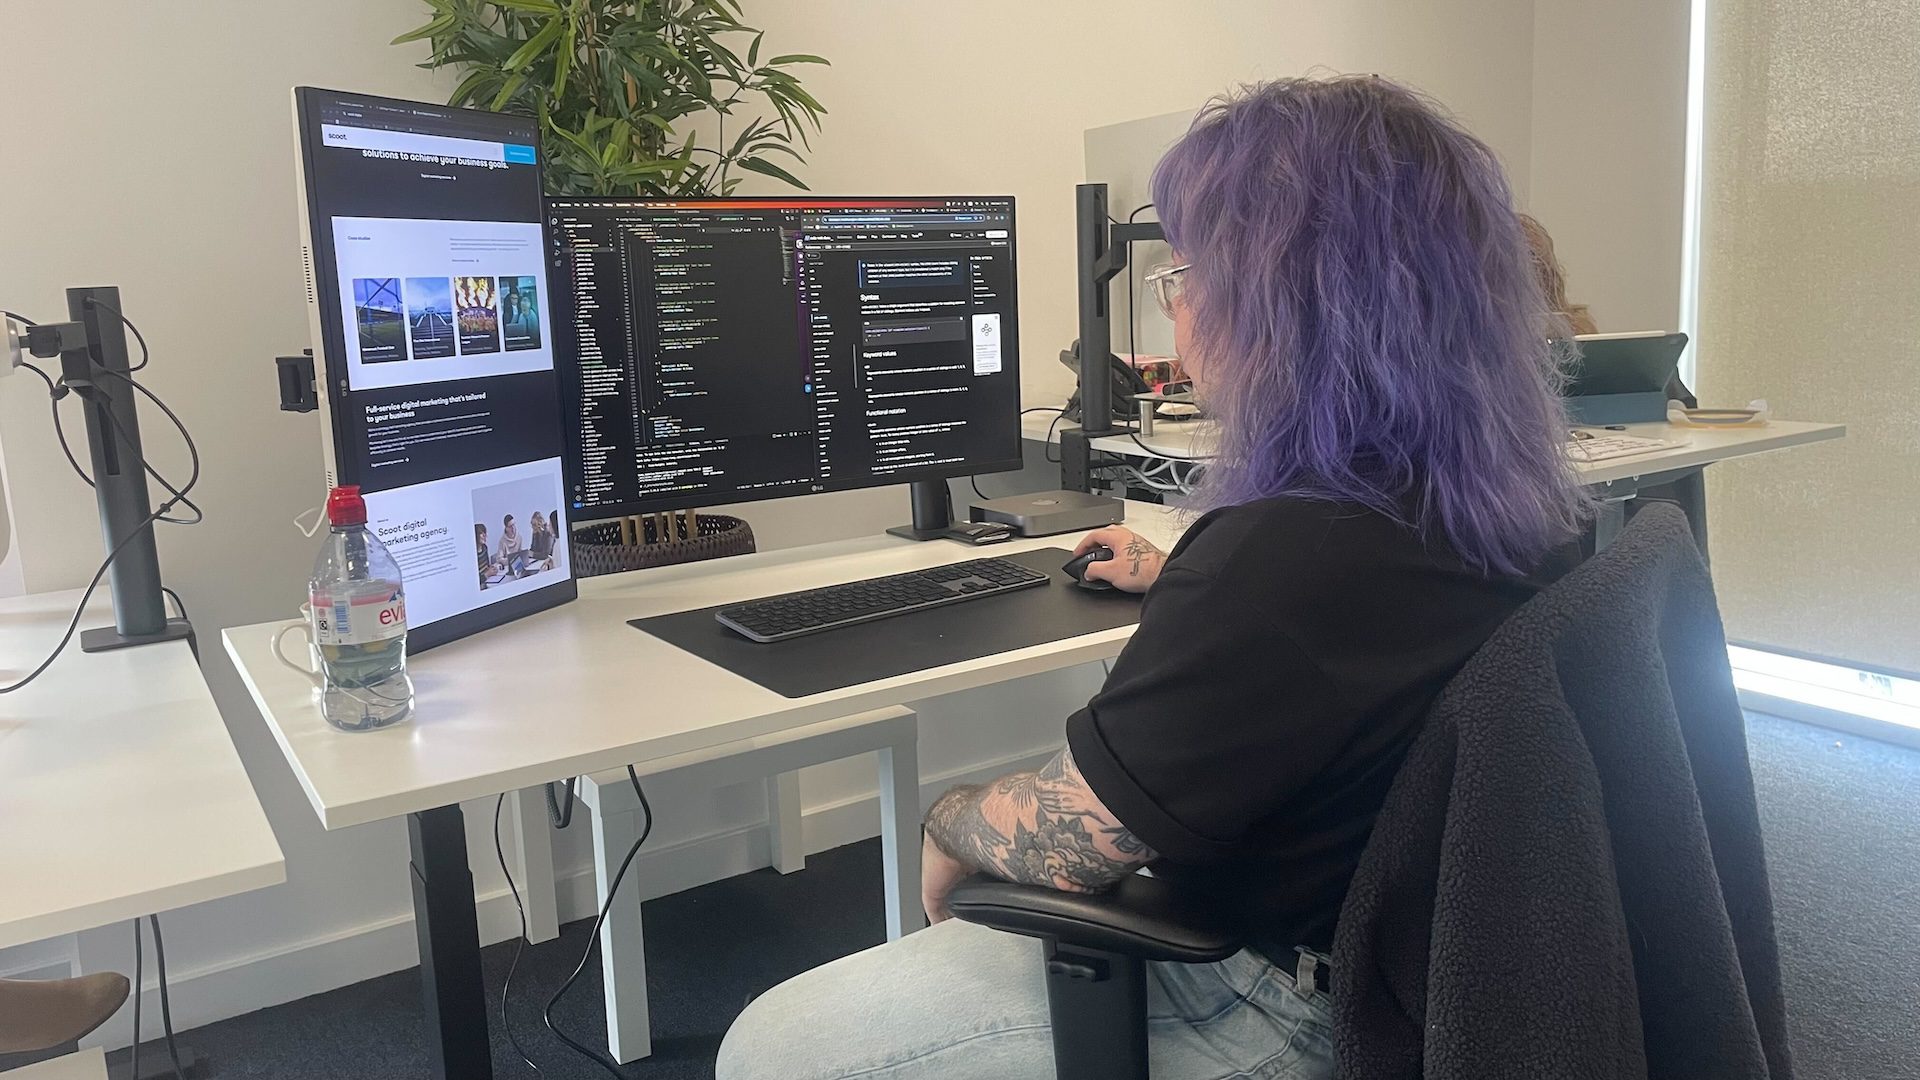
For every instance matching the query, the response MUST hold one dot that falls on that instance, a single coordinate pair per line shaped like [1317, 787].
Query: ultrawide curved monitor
[728, 350]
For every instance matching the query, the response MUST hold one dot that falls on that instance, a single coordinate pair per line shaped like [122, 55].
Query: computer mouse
[1076, 568]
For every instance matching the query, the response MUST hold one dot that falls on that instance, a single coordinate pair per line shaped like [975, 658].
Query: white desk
[85, 1065]
[121, 794]
[1705, 446]
[603, 696]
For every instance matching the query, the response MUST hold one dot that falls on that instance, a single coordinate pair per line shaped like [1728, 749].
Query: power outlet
[14, 352]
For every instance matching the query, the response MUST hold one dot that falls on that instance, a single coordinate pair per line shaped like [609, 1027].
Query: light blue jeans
[958, 1002]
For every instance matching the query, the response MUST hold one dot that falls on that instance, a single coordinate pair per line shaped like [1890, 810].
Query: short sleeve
[1210, 721]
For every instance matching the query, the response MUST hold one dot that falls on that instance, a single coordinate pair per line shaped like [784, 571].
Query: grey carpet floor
[1842, 816]
[709, 951]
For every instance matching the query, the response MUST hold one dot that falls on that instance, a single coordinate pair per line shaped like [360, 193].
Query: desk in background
[121, 794]
[605, 695]
[1616, 480]
[1190, 439]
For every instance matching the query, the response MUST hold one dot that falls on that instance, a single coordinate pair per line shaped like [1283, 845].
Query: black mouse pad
[925, 639]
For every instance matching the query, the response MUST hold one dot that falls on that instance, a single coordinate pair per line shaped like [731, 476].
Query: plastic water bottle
[359, 622]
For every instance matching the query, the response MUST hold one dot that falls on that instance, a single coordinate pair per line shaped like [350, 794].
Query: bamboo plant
[633, 97]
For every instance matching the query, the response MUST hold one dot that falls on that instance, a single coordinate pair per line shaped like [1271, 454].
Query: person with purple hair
[1354, 295]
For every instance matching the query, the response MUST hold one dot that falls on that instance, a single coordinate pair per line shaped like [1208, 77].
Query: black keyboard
[777, 618]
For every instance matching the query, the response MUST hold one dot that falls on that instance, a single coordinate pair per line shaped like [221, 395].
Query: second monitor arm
[1102, 248]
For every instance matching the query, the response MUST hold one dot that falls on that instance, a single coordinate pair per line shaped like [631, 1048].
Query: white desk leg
[623, 956]
[783, 822]
[900, 838]
[533, 850]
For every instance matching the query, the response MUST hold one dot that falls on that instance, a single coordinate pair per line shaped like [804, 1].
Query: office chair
[1612, 685]
[1097, 948]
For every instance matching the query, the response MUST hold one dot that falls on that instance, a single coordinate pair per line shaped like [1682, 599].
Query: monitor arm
[93, 342]
[1102, 247]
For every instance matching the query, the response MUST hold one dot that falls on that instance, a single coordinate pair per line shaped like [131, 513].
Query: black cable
[17, 317]
[975, 481]
[166, 1007]
[1043, 408]
[179, 494]
[613, 890]
[86, 596]
[56, 391]
[60, 432]
[1046, 448]
[561, 817]
[53, 391]
[138, 992]
[193, 451]
[519, 946]
[193, 639]
[145, 355]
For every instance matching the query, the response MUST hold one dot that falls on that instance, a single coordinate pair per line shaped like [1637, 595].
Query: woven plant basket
[597, 548]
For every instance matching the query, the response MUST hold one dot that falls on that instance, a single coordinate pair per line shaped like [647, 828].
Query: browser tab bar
[407, 142]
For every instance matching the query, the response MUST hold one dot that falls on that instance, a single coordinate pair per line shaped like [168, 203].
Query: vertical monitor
[734, 349]
[431, 312]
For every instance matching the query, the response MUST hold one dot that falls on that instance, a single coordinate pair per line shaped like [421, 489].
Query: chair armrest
[1141, 916]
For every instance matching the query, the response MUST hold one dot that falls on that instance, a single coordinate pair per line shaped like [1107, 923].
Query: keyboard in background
[791, 615]
[1588, 446]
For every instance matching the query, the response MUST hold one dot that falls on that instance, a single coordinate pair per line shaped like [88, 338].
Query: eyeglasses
[1167, 285]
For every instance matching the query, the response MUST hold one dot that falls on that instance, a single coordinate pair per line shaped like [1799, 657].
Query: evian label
[374, 611]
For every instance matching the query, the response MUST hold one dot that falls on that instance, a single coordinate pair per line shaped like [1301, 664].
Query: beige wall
[168, 171]
[1608, 148]
[995, 96]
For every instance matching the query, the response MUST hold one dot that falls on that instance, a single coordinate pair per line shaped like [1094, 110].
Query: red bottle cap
[346, 507]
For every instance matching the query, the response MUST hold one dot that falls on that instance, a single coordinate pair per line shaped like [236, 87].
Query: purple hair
[1367, 314]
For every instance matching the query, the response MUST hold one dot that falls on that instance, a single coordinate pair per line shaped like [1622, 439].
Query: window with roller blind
[1807, 295]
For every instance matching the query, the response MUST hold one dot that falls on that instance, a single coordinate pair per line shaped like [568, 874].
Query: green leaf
[768, 168]
[535, 45]
[577, 140]
[631, 88]
[506, 92]
[469, 89]
[751, 132]
[563, 60]
[762, 147]
[438, 26]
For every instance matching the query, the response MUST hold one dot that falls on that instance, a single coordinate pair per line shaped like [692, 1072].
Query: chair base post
[1098, 1004]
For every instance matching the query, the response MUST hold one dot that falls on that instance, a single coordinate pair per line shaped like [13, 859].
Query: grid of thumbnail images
[426, 318]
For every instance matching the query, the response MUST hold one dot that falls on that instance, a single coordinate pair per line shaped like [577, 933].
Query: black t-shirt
[1285, 660]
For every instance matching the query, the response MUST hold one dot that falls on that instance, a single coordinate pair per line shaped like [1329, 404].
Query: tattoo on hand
[1037, 828]
[1139, 551]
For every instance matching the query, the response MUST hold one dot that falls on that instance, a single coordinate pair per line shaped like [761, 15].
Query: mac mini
[1046, 513]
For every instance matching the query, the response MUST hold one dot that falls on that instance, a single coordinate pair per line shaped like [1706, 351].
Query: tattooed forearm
[1037, 828]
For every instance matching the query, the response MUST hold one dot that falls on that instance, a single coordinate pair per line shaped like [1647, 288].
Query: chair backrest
[1568, 867]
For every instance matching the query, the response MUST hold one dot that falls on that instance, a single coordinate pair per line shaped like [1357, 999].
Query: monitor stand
[932, 512]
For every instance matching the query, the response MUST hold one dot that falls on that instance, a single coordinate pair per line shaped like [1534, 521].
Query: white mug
[312, 667]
